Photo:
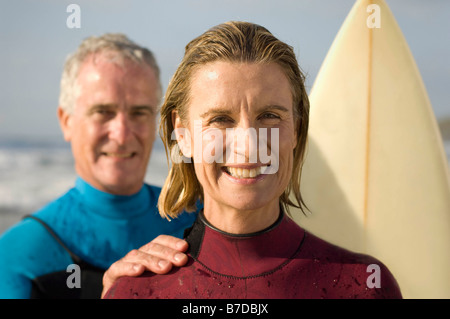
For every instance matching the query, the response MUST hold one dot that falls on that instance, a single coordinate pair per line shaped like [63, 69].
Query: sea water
[33, 174]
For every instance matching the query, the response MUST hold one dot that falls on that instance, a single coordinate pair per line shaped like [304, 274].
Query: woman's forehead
[227, 84]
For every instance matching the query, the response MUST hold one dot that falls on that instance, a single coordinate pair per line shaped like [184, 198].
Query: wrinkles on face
[113, 125]
[242, 115]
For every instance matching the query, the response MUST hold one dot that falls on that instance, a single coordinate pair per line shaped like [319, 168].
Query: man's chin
[121, 185]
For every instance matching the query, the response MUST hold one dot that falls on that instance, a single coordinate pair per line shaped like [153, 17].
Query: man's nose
[120, 128]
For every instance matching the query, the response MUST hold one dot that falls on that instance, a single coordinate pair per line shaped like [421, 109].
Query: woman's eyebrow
[226, 111]
[275, 107]
[216, 111]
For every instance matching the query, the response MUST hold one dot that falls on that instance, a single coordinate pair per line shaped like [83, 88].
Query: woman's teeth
[238, 172]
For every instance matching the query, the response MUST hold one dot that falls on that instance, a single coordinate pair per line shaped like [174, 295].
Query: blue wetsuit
[96, 227]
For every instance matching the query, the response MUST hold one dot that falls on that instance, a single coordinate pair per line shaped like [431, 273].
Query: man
[110, 91]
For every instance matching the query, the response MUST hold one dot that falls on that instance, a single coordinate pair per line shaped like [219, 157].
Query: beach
[34, 173]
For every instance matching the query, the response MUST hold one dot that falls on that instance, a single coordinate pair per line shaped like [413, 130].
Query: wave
[32, 176]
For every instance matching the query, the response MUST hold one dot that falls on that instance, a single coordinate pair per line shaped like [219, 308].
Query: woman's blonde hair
[239, 42]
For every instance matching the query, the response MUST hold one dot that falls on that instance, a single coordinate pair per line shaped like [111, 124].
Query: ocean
[32, 174]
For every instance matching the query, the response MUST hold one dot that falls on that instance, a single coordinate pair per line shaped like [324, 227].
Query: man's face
[112, 127]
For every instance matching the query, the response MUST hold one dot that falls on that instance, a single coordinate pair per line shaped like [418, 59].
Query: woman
[234, 79]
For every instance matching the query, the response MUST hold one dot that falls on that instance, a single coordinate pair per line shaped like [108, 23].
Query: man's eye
[104, 114]
[139, 113]
[142, 111]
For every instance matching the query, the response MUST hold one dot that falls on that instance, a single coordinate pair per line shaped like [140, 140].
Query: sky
[35, 41]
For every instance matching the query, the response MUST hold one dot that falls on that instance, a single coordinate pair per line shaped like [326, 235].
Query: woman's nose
[244, 141]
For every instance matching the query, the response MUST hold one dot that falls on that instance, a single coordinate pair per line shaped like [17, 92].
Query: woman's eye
[220, 120]
[269, 116]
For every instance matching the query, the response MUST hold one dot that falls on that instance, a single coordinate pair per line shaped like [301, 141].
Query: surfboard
[375, 178]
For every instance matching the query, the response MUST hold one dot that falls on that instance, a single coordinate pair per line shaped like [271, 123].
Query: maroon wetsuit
[283, 261]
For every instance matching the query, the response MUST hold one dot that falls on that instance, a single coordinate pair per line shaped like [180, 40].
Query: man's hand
[158, 256]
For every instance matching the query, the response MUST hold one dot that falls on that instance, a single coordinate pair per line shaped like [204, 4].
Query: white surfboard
[376, 177]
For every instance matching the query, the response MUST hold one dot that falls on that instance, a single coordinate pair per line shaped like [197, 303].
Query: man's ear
[65, 121]
[182, 135]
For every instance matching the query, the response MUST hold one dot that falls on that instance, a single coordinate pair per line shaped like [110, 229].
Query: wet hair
[236, 42]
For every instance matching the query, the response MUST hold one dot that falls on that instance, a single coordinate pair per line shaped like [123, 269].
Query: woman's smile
[244, 173]
[253, 103]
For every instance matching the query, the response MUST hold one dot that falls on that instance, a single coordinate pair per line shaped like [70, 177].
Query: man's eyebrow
[150, 108]
[102, 106]
[112, 106]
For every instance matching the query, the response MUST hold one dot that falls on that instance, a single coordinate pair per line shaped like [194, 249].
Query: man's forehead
[103, 71]
[99, 65]
[110, 58]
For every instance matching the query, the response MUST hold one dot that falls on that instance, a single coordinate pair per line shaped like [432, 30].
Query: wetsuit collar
[247, 255]
[113, 205]
[274, 225]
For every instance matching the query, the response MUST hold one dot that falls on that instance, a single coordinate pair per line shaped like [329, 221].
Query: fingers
[166, 249]
[119, 269]
[134, 264]
[158, 256]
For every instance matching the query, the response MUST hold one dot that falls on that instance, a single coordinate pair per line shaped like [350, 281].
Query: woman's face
[230, 105]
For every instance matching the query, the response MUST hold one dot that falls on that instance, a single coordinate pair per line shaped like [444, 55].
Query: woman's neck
[240, 221]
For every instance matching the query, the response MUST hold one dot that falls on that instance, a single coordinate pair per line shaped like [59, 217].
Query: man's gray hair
[116, 43]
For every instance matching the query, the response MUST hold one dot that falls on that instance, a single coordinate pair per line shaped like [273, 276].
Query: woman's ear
[297, 123]
[182, 135]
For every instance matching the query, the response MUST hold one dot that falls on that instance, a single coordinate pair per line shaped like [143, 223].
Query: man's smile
[119, 155]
